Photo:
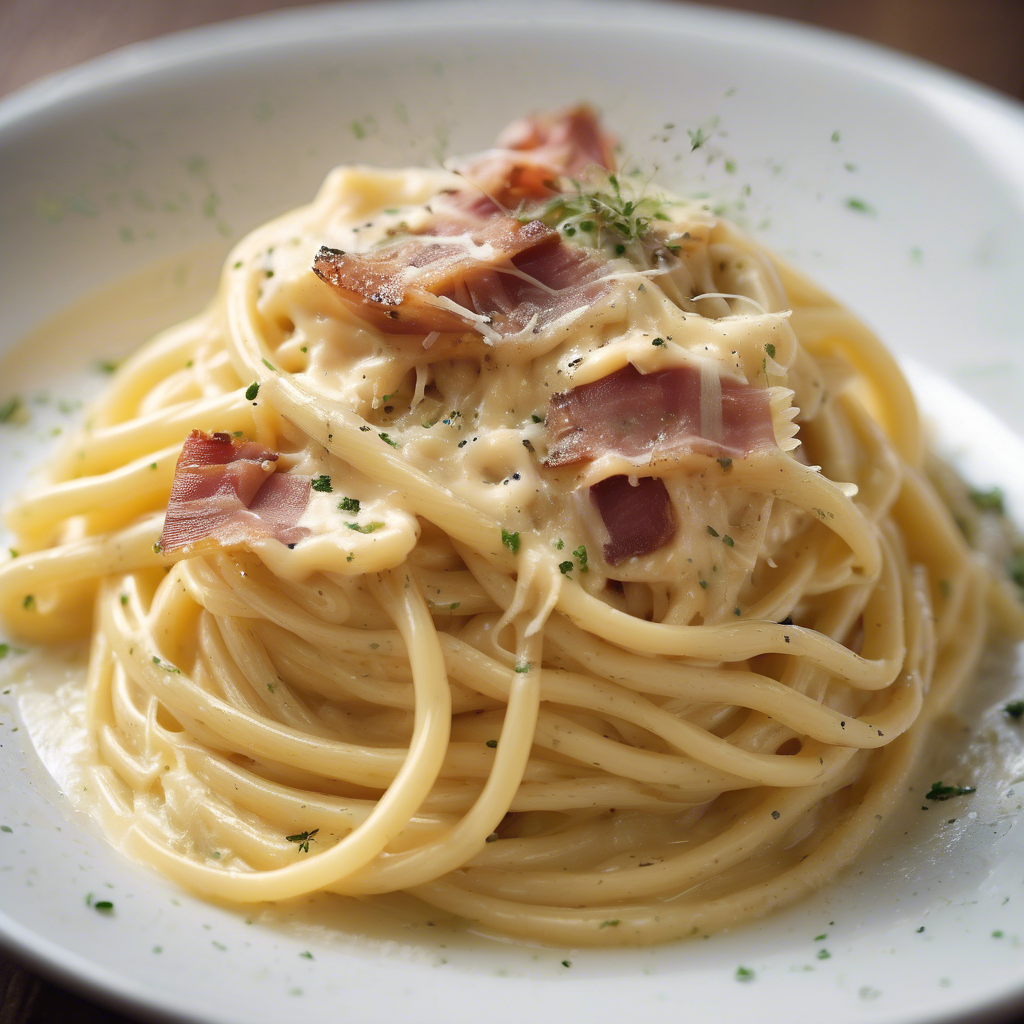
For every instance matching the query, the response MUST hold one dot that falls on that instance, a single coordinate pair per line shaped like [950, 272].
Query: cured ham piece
[637, 415]
[639, 519]
[499, 279]
[529, 157]
[226, 491]
[568, 142]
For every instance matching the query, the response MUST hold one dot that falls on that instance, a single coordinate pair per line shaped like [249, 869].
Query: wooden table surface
[982, 39]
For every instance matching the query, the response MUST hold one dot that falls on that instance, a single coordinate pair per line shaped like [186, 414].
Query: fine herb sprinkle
[580, 554]
[349, 505]
[322, 483]
[1015, 709]
[9, 408]
[940, 791]
[367, 528]
[510, 540]
[988, 501]
[303, 839]
[252, 391]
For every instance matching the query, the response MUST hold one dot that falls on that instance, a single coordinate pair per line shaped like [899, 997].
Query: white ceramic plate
[899, 187]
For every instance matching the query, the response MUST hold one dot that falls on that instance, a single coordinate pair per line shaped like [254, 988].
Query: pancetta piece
[226, 491]
[568, 142]
[498, 279]
[638, 415]
[638, 517]
[528, 159]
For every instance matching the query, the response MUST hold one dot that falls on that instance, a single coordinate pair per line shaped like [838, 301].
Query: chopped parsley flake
[29, 603]
[853, 203]
[491, 743]
[613, 923]
[1015, 568]
[104, 906]
[824, 954]
[107, 365]
[728, 541]
[988, 501]
[166, 665]
[658, 342]
[1015, 709]
[580, 554]
[770, 349]
[712, 531]
[388, 440]
[565, 568]
[726, 464]
[744, 974]
[322, 483]
[510, 540]
[367, 528]
[252, 391]
[939, 791]
[9, 408]
[524, 667]
[349, 505]
[303, 839]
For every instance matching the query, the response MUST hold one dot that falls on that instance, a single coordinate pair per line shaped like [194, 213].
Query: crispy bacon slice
[226, 491]
[639, 519]
[510, 273]
[634, 414]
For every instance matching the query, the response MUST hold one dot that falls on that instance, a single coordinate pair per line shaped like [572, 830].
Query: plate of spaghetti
[499, 568]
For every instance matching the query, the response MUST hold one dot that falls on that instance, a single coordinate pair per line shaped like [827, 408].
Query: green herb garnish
[939, 791]
[322, 483]
[368, 528]
[303, 839]
[252, 391]
[988, 501]
[510, 540]
[580, 554]
[9, 408]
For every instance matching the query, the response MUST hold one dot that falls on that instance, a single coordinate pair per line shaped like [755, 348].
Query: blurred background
[981, 39]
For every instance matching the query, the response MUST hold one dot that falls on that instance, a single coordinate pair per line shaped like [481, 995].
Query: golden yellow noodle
[581, 754]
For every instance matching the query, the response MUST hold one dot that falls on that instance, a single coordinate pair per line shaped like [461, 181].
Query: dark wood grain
[982, 39]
